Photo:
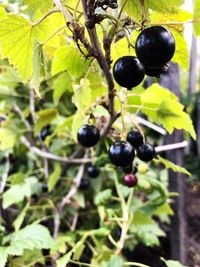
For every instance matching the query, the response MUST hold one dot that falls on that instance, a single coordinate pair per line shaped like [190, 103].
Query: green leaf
[162, 107]
[8, 138]
[196, 17]
[69, 58]
[62, 85]
[42, 5]
[39, 67]
[181, 55]
[34, 236]
[82, 95]
[146, 229]
[103, 197]
[20, 218]
[54, 177]
[115, 261]
[170, 263]
[163, 6]
[18, 31]
[3, 256]
[63, 261]
[44, 118]
[133, 8]
[171, 165]
[17, 193]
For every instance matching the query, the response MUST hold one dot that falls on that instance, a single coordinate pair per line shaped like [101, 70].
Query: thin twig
[67, 198]
[20, 113]
[32, 104]
[51, 156]
[65, 12]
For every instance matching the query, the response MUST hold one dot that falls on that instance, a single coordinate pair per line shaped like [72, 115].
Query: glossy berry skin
[135, 138]
[92, 171]
[121, 154]
[84, 184]
[130, 180]
[128, 71]
[155, 46]
[45, 132]
[128, 169]
[88, 135]
[156, 72]
[146, 152]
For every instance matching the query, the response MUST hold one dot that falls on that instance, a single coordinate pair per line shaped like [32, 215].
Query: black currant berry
[146, 152]
[135, 138]
[128, 169]
[128, 71]
[93, 172]
[156, 72]
[45, 132]
[121, 153]
[155, 46]
[88, 135]
[44, 188]
[130, 180]
[84, 184]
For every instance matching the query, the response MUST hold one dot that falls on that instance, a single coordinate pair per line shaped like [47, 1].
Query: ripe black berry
[84, 184]
[88, 135]
[128, 169]
[135, 138]
[121, 153]
[156, 72]
[92, 171]
[155, 46]
[45, 132]
[128, 71]
[130, 180]
[44, 188]
[146, 152]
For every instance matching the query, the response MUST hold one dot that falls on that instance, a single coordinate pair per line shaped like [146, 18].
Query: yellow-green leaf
[69, 58]
[170, 165]
[196, 17]
[16, 42]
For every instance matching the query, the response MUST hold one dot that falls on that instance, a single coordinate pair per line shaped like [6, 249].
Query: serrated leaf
[34, 236]
[196, 17]
[17, 193]
[63, 261]
[146, 229]
[54, 177]
[171, 263]
[69, 58]
[115, 261]
[172, 166]
[162, 107]
[18, 31]
[3, 256]
[20, 218]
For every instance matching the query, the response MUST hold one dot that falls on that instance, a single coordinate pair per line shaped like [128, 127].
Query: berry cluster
[121, 153]
[92, 172]
[155, 47]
